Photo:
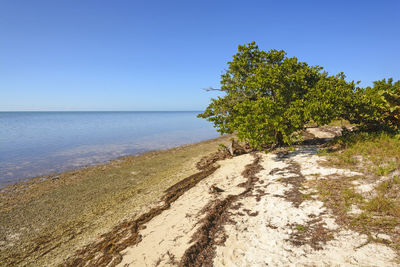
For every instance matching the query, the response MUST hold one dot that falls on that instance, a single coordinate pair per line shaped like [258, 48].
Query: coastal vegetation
[269, 98]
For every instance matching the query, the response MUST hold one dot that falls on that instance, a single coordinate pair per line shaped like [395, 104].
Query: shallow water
[41, 143]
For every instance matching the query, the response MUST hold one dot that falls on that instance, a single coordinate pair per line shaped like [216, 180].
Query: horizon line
[101, 110]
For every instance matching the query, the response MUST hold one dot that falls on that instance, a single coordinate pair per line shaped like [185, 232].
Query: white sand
[260, 240]
[171, 231]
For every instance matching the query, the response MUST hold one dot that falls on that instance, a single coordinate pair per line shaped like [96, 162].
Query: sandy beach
[250, 209]
[264, 223]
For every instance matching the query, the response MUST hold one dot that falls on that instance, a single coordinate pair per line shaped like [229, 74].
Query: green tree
[270, 97]
[378, 106]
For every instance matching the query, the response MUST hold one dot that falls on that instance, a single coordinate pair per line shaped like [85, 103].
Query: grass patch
[301, 228]
[375, 155]
[309, 196]
[339, 195]
[382, 205]
[387, 201]
[379, 214]
[378, 153]
[340, 123]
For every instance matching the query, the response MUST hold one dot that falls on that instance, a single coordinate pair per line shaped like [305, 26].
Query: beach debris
[211, 232]
[208, 160]
[234, 148]
[108, 249]
[215, 189]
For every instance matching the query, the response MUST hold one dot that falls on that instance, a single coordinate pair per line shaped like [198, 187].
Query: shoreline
[52, 175]
[44, 144]
[198, 205]
[67, 210]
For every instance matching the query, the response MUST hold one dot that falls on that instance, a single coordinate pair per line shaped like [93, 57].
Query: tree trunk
[279, 139]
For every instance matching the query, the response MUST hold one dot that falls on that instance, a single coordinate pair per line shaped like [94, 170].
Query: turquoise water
[41, 143]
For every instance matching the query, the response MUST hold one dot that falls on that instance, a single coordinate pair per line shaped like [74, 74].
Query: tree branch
[212, 89]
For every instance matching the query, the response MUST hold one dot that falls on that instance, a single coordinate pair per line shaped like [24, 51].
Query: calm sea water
[41, 143]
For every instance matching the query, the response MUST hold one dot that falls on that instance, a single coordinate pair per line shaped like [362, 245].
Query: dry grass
[44, 220]
[378, 215]
[339, 195]
[379, 152]
[377, 156]
[340, 123]
[387, 201]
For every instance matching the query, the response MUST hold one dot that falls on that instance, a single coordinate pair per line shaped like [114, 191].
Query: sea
[43, 143]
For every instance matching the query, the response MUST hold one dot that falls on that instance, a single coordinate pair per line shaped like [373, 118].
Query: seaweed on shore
[211, 233]
[107, 251]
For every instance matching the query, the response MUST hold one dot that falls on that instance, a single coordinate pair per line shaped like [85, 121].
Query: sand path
[270, 226]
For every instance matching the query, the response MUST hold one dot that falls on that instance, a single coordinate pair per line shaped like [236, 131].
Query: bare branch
[212, 89]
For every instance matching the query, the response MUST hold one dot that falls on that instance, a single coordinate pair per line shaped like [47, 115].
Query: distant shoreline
[20, 111]
[41, 143]
[51, 175]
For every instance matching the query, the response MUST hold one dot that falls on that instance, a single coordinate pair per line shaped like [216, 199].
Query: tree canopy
[378, 106]
[269, 97]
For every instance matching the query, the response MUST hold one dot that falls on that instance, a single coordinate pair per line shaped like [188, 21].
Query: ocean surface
[42, 143]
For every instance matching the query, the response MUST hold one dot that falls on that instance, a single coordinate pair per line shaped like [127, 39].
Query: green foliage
[301, 228]
[378, 106]
[330, 99]
[269, 97]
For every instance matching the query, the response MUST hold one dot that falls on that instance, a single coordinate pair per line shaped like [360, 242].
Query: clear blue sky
[157, 55]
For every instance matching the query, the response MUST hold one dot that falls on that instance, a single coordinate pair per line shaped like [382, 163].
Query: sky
[159, 55]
